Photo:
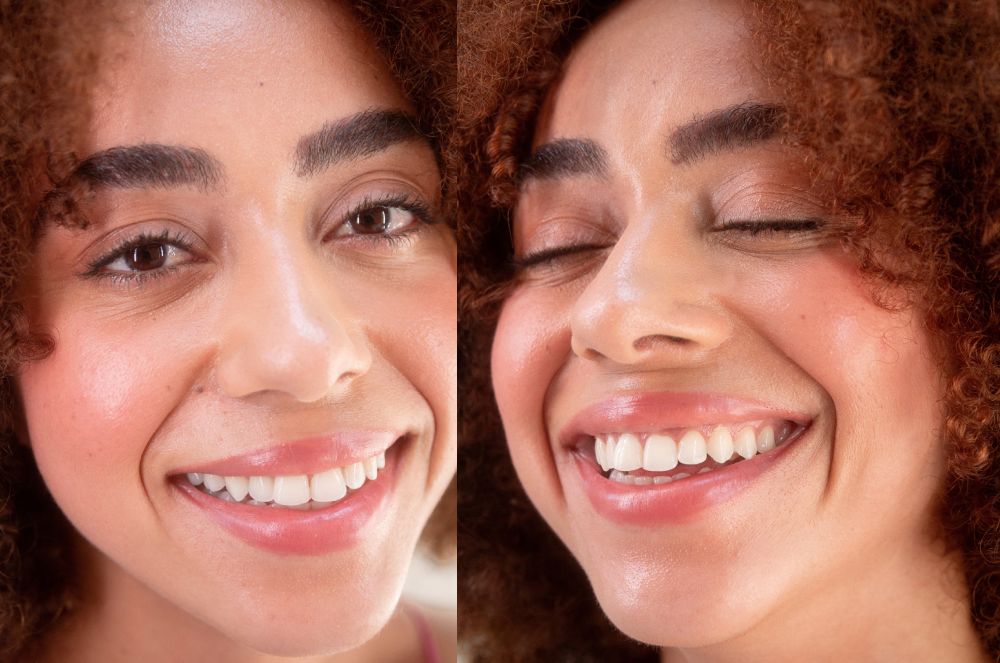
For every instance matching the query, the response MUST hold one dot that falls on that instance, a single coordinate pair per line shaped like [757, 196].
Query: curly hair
[896, 107]
[47, 59]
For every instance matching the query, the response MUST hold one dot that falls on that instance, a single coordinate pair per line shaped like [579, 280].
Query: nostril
[654, 341]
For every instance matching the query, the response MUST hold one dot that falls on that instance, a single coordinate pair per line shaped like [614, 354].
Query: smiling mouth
[298, 491]
[665, 456]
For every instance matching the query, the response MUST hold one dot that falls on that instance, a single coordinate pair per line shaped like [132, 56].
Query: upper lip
[658, 411]
[302, 456]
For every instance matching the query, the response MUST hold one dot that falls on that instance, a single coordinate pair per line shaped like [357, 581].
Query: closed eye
[554, 254]
[770, 226]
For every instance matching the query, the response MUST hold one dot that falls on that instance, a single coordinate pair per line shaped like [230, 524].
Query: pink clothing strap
[427, 644]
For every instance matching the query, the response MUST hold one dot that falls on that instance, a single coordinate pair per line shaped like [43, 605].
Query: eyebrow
[725, 129]
[354, 137]
[565, 157]
[149, 165]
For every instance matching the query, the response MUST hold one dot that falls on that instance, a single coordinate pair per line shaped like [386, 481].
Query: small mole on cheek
[260, 84]
[199, 389]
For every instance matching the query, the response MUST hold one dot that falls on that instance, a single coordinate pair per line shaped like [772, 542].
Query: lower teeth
[646, 479]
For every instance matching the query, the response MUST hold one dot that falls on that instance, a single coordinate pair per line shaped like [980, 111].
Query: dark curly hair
[48, 56]
[896, 106]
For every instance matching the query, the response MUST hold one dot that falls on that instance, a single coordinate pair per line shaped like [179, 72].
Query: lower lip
[293, 532]
[679, 501]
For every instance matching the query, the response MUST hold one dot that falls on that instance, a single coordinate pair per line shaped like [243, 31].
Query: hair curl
[896, 106]
[48, 56]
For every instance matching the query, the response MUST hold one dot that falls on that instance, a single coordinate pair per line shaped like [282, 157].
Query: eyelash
[771, 226]
[752, 228]
[553, 254]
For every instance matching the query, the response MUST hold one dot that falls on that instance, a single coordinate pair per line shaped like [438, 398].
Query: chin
[316, 620]
[660, 603]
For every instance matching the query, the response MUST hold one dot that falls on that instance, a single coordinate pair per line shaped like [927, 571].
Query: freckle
[199, 389]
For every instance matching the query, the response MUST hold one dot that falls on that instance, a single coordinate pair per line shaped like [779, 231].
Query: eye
[555, 254]
[144, 258]
[380, 220]
[771, 226]
[141, 257]
[383, 219]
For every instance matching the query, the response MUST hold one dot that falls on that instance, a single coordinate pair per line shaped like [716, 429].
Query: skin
[277, 322]
[810, 559]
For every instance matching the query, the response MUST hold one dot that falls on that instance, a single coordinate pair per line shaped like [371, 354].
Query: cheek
[418, 336]
[875, 365]
[93, 405]
[531, 343]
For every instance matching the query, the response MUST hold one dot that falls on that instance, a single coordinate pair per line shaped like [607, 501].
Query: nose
[289, 331]
[652, 304]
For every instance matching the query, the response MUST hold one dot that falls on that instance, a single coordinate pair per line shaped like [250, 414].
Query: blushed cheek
[91, 408]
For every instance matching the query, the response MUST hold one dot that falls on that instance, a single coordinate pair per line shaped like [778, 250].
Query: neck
[909, 605]
[120, 619]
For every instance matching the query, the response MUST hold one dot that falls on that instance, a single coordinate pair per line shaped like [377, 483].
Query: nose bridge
[654, 300]
[288, 328]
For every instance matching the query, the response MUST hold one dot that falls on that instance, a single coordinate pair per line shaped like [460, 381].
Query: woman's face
[770, 436]
[262, 290]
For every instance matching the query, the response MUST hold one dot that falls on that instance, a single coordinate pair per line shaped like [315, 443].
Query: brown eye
[147, 257]
[371, 221]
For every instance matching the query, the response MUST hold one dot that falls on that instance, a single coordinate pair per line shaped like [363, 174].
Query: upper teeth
[292, 490]
[661, 452]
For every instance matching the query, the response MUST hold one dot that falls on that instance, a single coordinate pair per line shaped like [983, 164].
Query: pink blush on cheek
[92, 408]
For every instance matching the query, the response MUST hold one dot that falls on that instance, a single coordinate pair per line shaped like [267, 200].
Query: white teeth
[765, 440]
[599, 454]
[371, 468]
[354, 475]
[294, 491]
[619, 454]
[720, 444]
[238, 487]
[691, 450]
[660, 453]
[628, 453]
[262, 488]
[328, 486]
[746, 443]
[291, 490]
[213, 482]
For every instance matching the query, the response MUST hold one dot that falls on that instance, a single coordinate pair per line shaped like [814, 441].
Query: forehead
[648, 66]
[204, 71]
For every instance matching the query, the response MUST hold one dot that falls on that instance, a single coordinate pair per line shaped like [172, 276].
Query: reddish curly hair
[896, 106]
[48, 56]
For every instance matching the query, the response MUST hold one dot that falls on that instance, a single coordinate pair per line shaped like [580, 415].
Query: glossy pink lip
[678, 501]
[293, 532]
[651, 412]
[305, 456]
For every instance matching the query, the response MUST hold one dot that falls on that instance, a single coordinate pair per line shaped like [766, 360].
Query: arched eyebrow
[565, 157]
[149, 166]
[355, 137]
[724, 129]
